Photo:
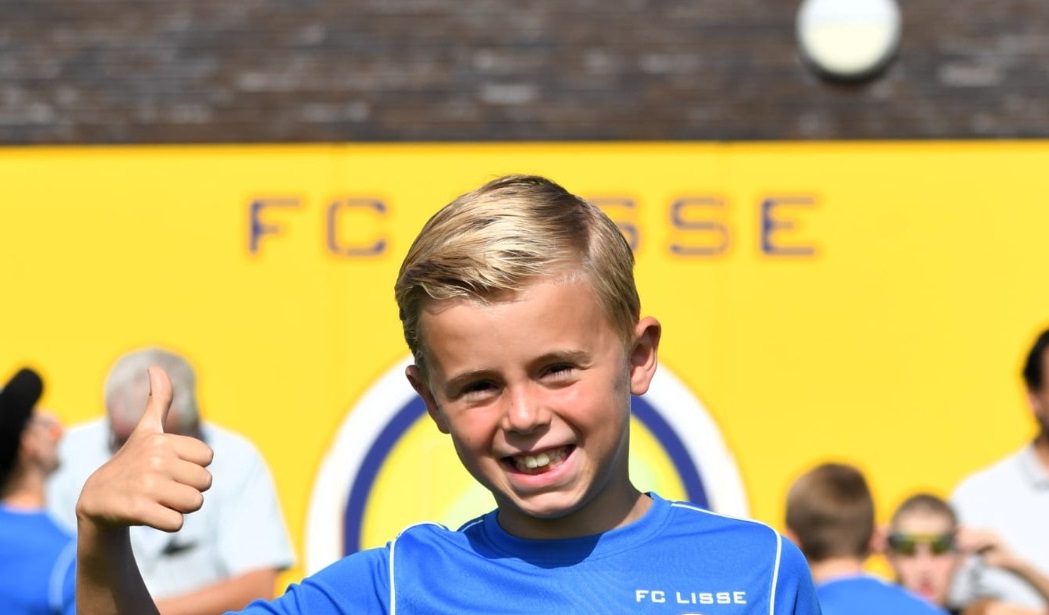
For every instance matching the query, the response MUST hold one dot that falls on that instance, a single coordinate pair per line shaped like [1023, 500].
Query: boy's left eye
[559, 370]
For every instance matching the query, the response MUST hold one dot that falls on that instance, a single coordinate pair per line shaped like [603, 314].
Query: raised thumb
[158, 404]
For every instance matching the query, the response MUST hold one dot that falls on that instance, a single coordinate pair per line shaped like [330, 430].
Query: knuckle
[155, 462]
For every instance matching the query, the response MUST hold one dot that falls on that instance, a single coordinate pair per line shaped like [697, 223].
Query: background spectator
[830, 515]
[37, 556]
[225, 555]
[1011, 498]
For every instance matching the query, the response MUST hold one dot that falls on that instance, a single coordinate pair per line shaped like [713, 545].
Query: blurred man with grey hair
[227, 554]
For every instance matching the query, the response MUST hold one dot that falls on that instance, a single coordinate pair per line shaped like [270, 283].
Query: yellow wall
[892, 340]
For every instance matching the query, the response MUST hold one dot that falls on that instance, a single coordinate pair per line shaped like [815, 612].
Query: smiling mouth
[540, 462]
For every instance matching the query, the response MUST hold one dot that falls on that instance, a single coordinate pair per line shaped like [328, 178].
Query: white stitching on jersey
[775, 575]
[779, 545]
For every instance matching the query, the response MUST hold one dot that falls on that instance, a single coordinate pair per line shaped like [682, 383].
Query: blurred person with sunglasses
[920, 546]
[1011, 498]
[830, 516]
[925, 546]
[37, 555]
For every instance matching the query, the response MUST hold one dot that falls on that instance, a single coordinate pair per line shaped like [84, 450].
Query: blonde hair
[495, 240]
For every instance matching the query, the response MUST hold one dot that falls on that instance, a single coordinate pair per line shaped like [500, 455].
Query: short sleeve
[358, 583]
[795, 593]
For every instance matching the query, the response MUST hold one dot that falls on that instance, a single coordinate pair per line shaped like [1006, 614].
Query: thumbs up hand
[154, 478]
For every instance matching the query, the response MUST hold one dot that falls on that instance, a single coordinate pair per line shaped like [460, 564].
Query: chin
[546, 506]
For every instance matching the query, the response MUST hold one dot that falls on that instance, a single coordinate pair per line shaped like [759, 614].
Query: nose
[525, 411]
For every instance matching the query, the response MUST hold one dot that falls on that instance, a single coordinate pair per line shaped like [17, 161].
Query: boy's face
[922, 554]
[535, 393]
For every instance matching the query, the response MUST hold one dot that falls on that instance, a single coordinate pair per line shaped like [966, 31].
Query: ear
[26, 447]
[880, 540]
[30, 446]
[644, 355]
[1037, 403]
[415, 377]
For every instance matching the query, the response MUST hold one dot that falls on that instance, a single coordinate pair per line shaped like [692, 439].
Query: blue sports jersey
[677, 559]
[37, 564]
[868, 595]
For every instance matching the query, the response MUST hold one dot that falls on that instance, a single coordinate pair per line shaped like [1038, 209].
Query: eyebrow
[565, 356]
[454, 384]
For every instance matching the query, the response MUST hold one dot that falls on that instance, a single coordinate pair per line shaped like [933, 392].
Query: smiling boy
[519, 306]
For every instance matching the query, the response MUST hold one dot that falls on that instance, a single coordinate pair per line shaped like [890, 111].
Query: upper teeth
[532, 462]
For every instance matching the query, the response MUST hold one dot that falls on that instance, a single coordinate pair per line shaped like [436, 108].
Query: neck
[834, 567]
[24, 490]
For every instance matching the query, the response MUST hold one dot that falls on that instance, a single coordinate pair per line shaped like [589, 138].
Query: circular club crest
[389, 467]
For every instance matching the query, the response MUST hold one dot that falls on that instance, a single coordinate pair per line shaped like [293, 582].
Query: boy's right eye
[477, 389]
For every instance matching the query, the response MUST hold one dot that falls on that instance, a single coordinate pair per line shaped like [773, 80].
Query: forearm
[1033, 576]
[107, 578]
[987, 606]
[154, 479]
[229, 595]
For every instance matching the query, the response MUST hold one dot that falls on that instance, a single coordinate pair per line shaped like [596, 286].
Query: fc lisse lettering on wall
[699, 225]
